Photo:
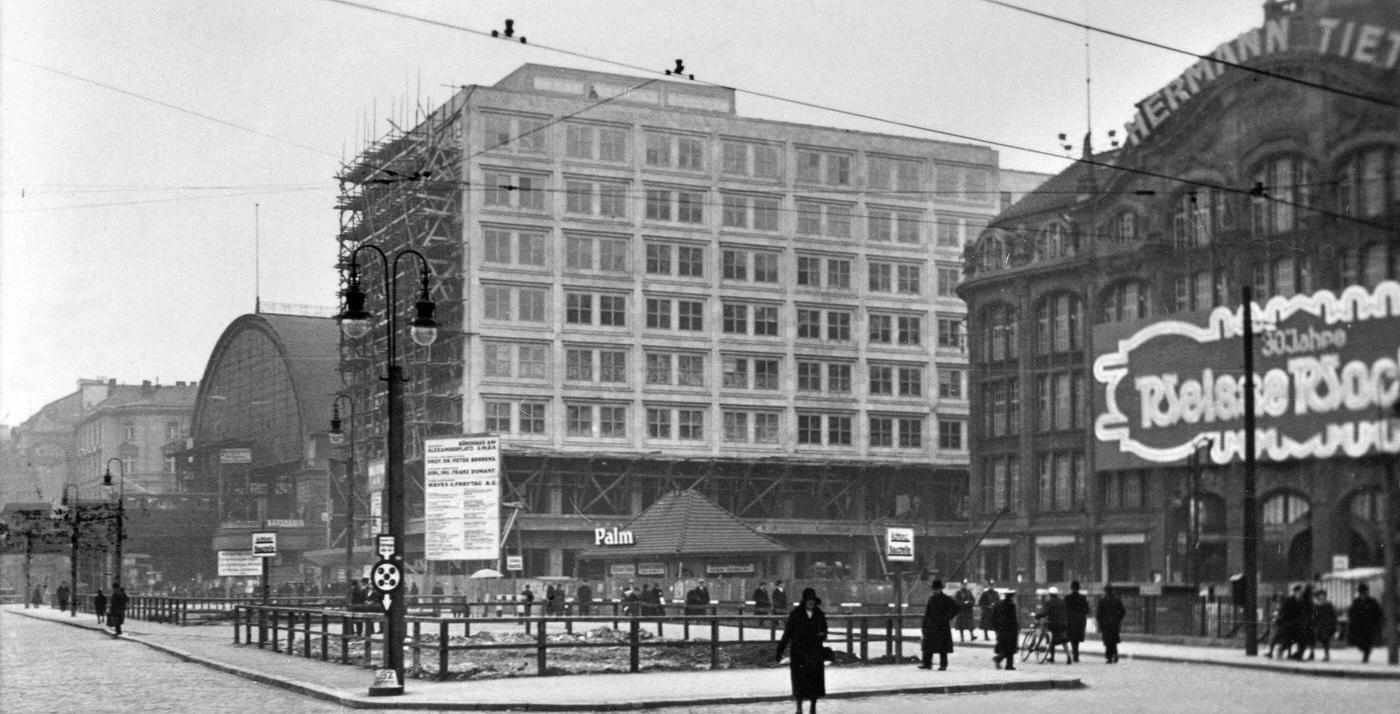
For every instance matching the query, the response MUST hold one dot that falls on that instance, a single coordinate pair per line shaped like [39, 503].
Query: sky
[165, 163]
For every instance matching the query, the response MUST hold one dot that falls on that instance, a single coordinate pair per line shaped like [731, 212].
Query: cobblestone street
[47, 667]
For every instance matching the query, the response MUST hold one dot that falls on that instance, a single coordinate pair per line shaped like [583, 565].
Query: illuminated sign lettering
[1327, 375]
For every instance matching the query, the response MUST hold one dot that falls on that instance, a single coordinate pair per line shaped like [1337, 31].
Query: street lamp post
[121, 506]
[1200, 453]
[355, 322]
[337, 437]
[1251, 511]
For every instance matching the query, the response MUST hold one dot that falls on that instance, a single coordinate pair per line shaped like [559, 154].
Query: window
[753, 160]
[675, 205]
[888, 174]
[1199, 216]
[824, 429]
[595, 253]
[881, 331]
[600, 199]
[1061, 480]
[1057, 324]
[583, 141]
[508, 246]
[1369, 181]
[679, 260]
[128, 432]
[881, 379]
[1128, 300]
[911, 381]
[595, 365]
[675, 369]
[827, 377]
[1123, 490]
[688, 315]
[749, 265]
[1058, 401]
[512, 360]
[759, 213]
[671, 151]
[950, 331]
[823, 219]
[1123, 228]
[756, 373]
[1003, 483]
[950, 383]
[595, 309]
[820, 272]
[961, 183]
[823, 167]
[950, 434]
[598, 421]
[510, 303]
[515, 190]
[1054, 241]
[515, 417]
[514, 134]
[908, 279]
[908, 330]
[900, 278]
[888, 225]
[881, 431]
[954, 231]
[750, 427]
[749, 319]
[677, 423]
[1287, 185]
[1282, 509]
[911, 432]
[837, 322]
[172, 432]
[948, 279]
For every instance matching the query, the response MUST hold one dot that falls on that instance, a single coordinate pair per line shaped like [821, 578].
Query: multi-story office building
[1285, 179]
[643, 290]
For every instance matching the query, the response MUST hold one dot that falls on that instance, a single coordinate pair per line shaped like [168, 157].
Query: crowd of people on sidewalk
[1305, 619]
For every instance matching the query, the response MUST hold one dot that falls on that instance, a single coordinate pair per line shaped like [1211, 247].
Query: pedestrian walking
[99, 605]
[761, 602]
[1007, 625]
[986, 602]
[1307, 624]
[37, 598]
[937, 627]
[1057, 621]
[116, 608]
[551, 597]
[584, 597]
[966, 620]
[1288, 624]
[1364, 620]
[62, 595]
[1109, 614]
[806, 633]
[1077, 608]
[1326, 623]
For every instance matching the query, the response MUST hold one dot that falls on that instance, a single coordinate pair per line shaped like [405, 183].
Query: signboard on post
[384, 545]
[515, 562]
[236, 456]
[265, 544]
[462, 498]
[238, 564]
[899, 545]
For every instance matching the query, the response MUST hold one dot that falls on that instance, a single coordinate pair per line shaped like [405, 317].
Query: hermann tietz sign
[1327, 370]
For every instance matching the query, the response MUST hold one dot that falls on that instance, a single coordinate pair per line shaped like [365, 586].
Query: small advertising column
[265, 547]
[899, 549]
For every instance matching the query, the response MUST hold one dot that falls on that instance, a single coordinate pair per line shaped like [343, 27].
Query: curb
[366, 702]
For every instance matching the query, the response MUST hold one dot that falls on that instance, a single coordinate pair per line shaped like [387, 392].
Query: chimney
[146, 388]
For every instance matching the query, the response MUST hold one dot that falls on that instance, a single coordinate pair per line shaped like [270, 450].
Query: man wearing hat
[1007, 625]
[937, 627]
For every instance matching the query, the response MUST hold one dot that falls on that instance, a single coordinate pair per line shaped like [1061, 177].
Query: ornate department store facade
[1105, 310]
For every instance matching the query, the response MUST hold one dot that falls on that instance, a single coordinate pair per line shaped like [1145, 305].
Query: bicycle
[1036, 642]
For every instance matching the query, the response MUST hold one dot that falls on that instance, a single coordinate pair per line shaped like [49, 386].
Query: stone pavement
[348, 685]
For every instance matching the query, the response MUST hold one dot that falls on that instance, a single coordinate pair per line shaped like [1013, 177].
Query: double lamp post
[356, 322]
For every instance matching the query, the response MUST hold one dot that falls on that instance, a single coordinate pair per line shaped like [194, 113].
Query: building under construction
[642, 291]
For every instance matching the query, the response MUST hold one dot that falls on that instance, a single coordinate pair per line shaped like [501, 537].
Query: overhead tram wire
[1089, 161]
[167, 105]
[1255, 70]
[172, 199]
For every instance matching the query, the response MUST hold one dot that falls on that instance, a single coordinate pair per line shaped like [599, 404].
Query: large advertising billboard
[1326, 375]
[462, 498]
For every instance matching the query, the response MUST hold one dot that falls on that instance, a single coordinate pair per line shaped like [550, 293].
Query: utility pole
[1251, 510]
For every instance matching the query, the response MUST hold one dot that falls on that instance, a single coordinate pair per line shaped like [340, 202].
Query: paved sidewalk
[348, 685]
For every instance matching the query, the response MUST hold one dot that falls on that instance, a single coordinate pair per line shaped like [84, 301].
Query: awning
[686, 523]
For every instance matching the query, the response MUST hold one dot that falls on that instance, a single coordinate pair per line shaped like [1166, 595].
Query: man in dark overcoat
[116, 608]
[985, 603]
[761, 601]
[1077, 609]
[937, 627]
[1364, 621]
[780, 601]
[1109, 614]
[965, 621]
[806, 633]
[1007, 626]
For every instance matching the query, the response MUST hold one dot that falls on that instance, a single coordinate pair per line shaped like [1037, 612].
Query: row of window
[1060, 482]
[1060, 403]
[611, 199]
[611, 254]
[738, 426]
[607, 366]
[512, 303]
[691, 153]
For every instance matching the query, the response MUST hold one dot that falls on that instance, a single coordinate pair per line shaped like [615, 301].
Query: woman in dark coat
[1077, 608]
[99, 605]
[1007, 625]
[806, 632]
[1110, 614]
[1326, 625]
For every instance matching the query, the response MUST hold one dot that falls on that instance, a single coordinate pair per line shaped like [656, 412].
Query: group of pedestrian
[697, 599]
[1305, 618]
[648, 600]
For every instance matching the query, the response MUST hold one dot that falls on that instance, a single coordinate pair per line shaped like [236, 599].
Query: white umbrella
[486, 573]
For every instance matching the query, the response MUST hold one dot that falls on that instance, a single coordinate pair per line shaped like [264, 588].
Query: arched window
[1366, 505]
[1057, 323]
[1368, 181]
[1123, 228]
[1199, 215]
[993, 253]
[1125, 300]
[1286, 185]
[1284, 508]
[1053, 241]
